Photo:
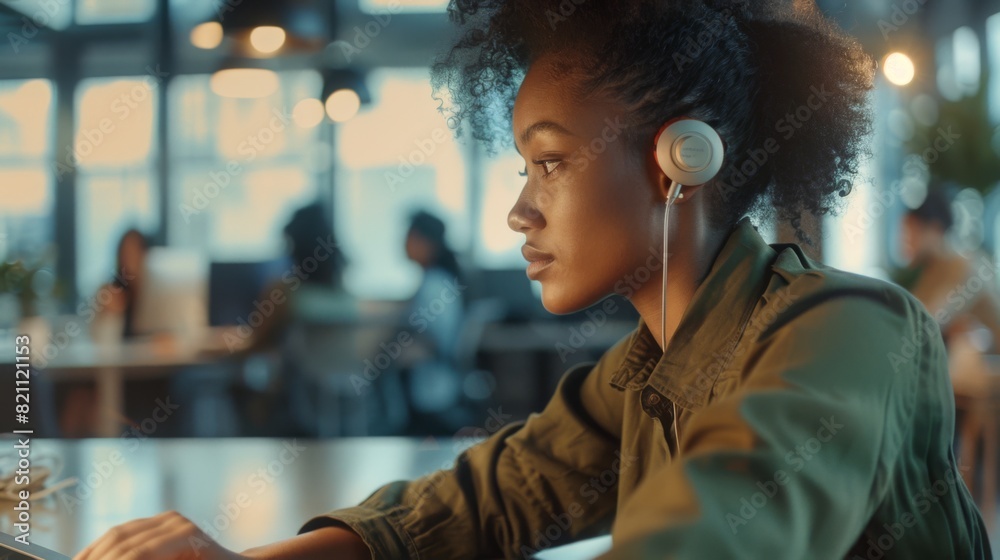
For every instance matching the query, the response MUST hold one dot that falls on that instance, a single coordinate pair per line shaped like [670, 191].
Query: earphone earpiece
[689, 151]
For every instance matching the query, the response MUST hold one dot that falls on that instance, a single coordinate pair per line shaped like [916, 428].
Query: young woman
[112, 322]
[426, 246]
[767, 406]
[432, 385]
[128, 281]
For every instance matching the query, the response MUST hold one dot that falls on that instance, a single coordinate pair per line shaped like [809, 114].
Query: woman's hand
[168, 536]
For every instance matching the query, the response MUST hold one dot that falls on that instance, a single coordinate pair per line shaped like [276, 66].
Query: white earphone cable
[673, 194]
[707, 154]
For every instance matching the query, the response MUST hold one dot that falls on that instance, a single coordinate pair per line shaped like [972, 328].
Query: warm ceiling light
[244, 82]
[207, 35]
[308, 113]
[267, 38]
[343, 104]
[899, 69]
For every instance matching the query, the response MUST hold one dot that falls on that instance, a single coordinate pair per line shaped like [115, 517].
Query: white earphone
[690, 152]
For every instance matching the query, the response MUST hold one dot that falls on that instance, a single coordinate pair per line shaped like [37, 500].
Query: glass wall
[114, 149]
[240, 167]
[26, 193]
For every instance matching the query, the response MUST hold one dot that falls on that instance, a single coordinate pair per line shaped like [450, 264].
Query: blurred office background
[311, 252]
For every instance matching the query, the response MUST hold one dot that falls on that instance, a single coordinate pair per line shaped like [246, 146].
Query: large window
[114, 148]
[26, 199]
[240, 167]
[394, 158]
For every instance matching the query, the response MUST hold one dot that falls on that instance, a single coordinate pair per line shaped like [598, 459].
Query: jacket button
[652, 399]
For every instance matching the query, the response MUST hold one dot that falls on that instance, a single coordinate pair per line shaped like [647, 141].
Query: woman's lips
[537, 260]
[535, 268]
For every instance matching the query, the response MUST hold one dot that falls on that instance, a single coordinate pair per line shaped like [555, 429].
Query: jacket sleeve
[515, 492]
[791, 463]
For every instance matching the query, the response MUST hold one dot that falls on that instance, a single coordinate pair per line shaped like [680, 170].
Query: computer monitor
[234, 286]
[173, 297]
[11, 549]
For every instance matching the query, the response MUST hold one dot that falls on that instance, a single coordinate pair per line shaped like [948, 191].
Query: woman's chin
[560, 303]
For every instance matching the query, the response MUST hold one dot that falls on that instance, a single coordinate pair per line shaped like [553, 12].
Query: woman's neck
[689, 262]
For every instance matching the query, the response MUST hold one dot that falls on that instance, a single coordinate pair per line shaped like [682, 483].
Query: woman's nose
[524, 216]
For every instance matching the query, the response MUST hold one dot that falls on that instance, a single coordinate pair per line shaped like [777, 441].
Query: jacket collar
[710, 328]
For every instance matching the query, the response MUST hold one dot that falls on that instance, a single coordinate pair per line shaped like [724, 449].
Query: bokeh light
[267, 38]
[342, 105]
[899, 69]
[308, 113]
[207, 35]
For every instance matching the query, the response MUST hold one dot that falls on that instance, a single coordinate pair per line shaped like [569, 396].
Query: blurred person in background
[309, 316]
[125, 288]
[959, 290]
[314, 288]
[433, 316]
[117, 304]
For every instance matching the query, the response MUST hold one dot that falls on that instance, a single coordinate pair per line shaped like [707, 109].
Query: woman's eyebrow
[542, 126]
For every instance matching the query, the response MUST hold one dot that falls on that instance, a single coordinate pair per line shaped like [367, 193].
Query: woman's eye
[550, 165]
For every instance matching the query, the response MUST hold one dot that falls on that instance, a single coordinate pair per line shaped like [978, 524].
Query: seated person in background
[313, 291]
[755, 411]
[312, 304]
[958, 290]
[124, 289]
[114, 320]
[433, 316]
[936, 271]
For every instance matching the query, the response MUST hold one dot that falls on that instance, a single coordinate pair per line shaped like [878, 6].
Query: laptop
[10, 549]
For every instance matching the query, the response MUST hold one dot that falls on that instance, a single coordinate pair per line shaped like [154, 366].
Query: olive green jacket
[798, 412]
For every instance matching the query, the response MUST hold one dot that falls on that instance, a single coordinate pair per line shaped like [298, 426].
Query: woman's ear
[663, 183]
[686, 194]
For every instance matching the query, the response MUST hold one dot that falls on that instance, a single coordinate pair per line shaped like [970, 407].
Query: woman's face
[418, 249]
[918, 237]
[590, 209]
[133, 255]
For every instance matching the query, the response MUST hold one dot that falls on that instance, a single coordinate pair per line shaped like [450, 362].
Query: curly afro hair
[785, 88]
